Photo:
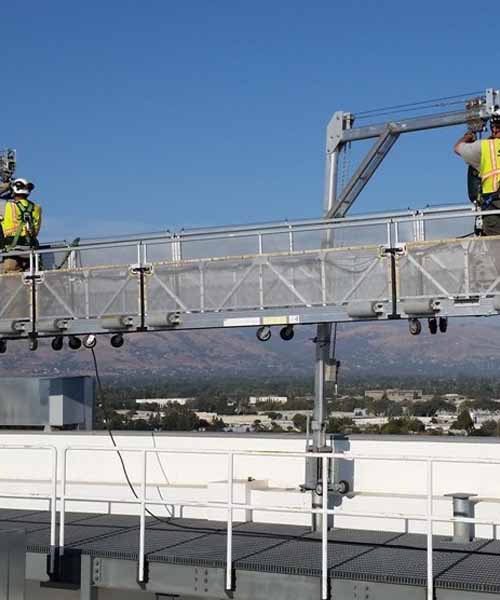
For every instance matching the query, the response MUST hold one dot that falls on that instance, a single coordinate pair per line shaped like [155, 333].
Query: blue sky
[134, 116]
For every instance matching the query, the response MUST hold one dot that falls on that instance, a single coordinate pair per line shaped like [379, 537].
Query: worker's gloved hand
[469, 137]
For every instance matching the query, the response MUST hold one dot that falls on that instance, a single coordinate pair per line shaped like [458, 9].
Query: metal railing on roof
[60, 493]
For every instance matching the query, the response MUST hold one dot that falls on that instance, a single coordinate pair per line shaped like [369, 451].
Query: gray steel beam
[364, 172]
[410, 125]
[199, 582]
[87, 590]
[12, 564]
[320, 410]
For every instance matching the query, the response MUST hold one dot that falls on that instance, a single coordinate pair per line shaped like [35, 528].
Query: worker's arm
[467, 138]
[469, 149]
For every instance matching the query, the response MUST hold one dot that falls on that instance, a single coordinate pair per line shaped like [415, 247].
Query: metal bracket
[174, 318]
[492, 100]
[38, 277]
[64, 569]
[136, 269]
[96, 571]
[395, 250]
[202, 583]
[53, 325]
[338, 123]
[118, 322]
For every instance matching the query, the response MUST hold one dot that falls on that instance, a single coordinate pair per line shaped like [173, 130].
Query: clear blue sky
[133, 116]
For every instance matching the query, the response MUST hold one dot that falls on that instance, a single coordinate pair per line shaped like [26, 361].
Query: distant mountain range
[470, 347]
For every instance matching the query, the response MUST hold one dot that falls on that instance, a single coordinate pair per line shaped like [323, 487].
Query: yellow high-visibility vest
[15, 210]
[490, 165]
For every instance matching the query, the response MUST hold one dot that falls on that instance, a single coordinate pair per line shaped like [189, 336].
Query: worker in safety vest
[21, 223]
[484, 156]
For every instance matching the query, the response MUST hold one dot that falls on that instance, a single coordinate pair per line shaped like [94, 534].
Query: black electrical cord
[102, 403]
[162, 469]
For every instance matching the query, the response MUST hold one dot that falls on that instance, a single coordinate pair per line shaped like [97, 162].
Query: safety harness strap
[26, 218]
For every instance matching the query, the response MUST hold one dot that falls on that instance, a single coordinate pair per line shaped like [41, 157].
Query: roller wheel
[415, 326]
[433, 326]
[57, 343]
[264, 334]
[343, 487]
[287, 333]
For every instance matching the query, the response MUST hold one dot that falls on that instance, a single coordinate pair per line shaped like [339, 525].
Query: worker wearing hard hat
[484, 156]
[21, 223]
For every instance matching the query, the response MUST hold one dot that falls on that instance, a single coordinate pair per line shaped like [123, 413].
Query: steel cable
[434, 102]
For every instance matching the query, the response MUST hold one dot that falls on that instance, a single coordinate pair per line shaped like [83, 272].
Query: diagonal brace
[364, 172]
[429, 276]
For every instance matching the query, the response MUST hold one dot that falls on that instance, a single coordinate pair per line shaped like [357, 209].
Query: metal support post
[394, 285]
[12, 564]
[463, 506]
[141, 270]
[33, 278]
[430, 562]
[87, 589]
[338, 123]
[320, 412]
[141, 576]
[229, 583]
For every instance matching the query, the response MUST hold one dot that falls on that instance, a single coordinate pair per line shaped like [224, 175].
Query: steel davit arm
[340, 131]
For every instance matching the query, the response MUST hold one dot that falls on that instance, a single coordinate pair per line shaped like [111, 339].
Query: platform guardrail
[424, 264]
[52, 496]
[143, 501]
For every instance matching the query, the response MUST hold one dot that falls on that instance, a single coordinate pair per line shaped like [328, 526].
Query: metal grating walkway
[372, 556]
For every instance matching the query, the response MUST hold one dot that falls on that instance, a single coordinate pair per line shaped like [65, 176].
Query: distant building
[252, 400]
[206, 416]
[163, 401]
[398, 395]
[394, 395]
[456, 398]
[360, 412]
[374, 394]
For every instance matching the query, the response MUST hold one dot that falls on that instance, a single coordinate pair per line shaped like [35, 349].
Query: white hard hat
[22, 187]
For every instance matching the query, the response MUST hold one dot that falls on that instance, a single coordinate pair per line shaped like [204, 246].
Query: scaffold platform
[381, 267]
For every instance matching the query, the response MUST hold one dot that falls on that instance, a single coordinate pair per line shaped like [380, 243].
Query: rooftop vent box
[47, 402]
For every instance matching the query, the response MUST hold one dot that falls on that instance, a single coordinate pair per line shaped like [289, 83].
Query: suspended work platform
[405, 265]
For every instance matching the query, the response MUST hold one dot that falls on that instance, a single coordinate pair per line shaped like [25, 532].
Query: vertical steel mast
[336, 204]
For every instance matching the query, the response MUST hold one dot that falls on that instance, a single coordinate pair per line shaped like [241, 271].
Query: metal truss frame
[340, 131]
[302, 285]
